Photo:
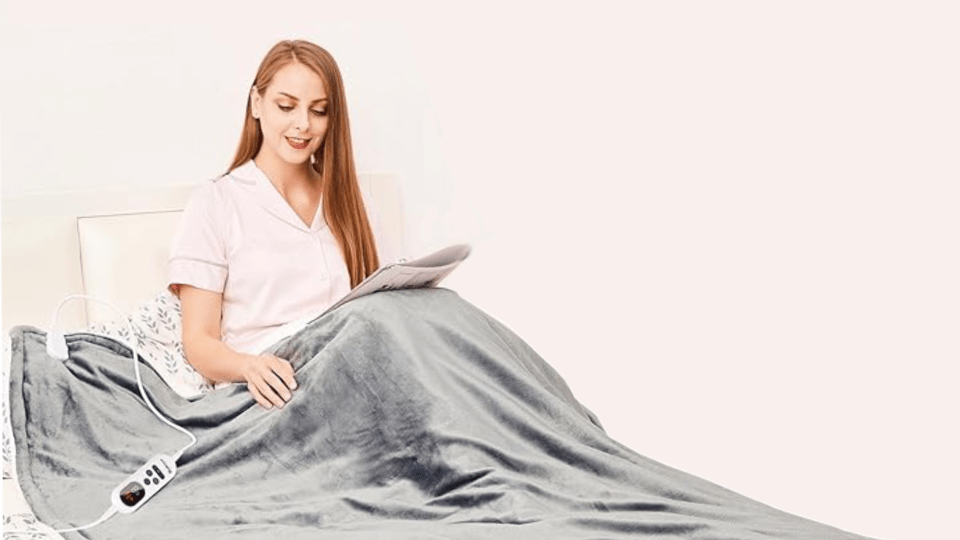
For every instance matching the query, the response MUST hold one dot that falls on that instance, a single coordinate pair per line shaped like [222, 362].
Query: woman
[279, 237]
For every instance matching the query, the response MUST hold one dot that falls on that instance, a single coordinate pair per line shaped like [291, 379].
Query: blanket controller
[137, 488]
[156, 473]
[133, 492]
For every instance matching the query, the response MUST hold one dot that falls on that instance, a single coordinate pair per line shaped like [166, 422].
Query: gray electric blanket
[417, 416]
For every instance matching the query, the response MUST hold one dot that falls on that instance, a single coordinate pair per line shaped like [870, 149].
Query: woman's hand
[269, 379]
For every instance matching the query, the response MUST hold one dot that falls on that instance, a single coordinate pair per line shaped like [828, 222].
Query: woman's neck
[286, 176]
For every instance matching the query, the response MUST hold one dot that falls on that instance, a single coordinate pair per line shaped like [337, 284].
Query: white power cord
[57, 348]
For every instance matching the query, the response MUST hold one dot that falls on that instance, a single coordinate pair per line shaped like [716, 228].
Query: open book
[426, 271]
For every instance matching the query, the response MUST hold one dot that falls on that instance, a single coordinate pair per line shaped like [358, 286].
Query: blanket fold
[417, 415]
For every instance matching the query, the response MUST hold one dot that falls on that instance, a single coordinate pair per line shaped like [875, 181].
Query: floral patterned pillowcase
[157, 327]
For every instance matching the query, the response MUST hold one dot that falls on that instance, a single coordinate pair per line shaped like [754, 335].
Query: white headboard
[113, 244]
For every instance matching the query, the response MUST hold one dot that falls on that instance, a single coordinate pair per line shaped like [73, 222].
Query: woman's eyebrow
[295, 99]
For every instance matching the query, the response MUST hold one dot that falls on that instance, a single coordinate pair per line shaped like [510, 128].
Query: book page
[427, 271]
[444, 257]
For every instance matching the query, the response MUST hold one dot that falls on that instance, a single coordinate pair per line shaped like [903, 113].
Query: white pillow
[157, 326]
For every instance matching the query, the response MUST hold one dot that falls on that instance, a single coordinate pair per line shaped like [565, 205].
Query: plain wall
[733, 228]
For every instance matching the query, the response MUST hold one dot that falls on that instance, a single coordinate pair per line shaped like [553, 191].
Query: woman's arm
[269, 378]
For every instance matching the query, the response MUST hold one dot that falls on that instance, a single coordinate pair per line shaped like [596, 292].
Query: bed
[487, 442]
[111, 244]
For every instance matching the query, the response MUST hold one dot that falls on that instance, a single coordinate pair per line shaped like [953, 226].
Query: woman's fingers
[280, 377]
[284, 370]
[270, 381]
[278, 390]
[258, 397]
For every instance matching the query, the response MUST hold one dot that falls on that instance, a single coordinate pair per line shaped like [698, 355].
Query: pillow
[156, 324]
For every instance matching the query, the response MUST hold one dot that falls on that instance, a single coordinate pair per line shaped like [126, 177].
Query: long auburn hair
[342, 203]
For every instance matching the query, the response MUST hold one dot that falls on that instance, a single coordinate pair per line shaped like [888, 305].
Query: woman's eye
[289, 108]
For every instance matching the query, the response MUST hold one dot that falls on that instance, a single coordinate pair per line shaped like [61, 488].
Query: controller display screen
[132, 494]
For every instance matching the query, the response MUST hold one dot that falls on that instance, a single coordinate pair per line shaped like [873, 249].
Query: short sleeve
[198, 251]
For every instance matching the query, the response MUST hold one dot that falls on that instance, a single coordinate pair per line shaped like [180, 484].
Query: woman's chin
[299, 158]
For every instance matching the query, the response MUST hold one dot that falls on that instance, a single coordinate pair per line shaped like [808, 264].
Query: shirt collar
[250, 176]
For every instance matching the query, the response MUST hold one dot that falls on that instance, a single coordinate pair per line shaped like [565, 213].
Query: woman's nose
[303, 120]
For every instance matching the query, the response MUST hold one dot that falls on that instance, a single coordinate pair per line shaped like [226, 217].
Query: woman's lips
[295, 144]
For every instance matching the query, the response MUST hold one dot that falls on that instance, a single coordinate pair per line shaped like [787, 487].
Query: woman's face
[293, 107]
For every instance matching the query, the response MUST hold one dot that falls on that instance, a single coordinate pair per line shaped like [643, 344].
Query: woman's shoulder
[210, 193]
[221, 183]
[226, 191]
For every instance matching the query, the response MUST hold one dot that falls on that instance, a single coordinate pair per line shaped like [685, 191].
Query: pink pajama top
[238, 236]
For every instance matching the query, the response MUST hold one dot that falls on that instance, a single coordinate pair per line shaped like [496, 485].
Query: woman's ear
[254, 102]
